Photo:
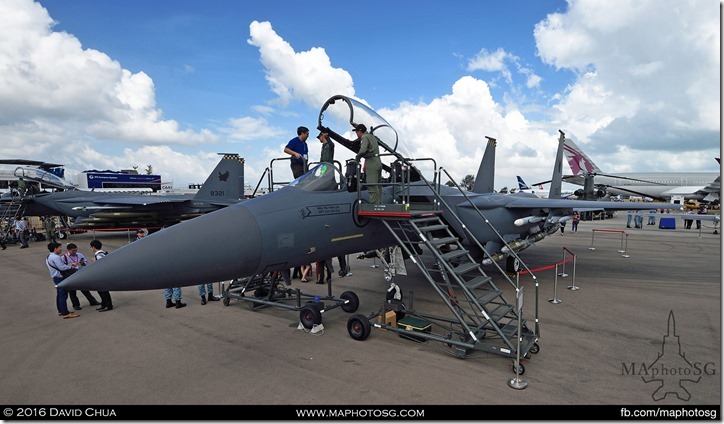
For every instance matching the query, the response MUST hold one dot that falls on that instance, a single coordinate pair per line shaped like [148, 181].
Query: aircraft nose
[214, 247]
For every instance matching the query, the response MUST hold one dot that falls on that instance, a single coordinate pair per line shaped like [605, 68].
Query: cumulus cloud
[647, 72]
[49, 81]
[307, 75]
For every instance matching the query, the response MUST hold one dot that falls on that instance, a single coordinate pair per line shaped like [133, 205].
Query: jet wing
[532, 203]
[131, 202]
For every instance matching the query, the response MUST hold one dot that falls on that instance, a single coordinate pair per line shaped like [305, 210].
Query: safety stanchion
[573, 278]
[571, 258]
[563, 265]
[555, 299]
[624, 241]
[517, 382]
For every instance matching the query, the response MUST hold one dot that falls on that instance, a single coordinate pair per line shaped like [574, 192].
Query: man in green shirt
[370, 151]
[327, 148]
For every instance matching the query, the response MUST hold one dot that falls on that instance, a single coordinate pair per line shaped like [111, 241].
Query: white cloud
[247, 128]
[49, 81]
[307, 76]
[648, 71]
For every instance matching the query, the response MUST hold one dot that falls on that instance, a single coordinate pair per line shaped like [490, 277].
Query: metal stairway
[8, 212]
[482, 318]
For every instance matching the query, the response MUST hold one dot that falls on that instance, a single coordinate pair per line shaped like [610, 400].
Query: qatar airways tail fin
[579, 162]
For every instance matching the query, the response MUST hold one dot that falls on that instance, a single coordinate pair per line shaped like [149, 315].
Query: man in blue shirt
[55, 266]
[297, 148]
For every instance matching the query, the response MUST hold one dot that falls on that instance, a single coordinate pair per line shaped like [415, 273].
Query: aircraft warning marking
[319, 210]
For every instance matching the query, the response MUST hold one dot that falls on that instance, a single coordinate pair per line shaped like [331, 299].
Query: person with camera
[78, 261]
[56, 266]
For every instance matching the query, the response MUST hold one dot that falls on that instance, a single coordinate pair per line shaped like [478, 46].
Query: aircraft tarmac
[593, 345]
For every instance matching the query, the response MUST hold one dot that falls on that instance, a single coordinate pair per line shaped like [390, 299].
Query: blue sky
[112, 84]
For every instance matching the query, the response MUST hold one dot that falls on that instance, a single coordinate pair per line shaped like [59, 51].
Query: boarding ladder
[9, 211]
[482, 319]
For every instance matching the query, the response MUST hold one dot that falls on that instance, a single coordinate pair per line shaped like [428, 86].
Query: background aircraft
[88, 209]
[38, 176]
[540, 192]
[676, 186]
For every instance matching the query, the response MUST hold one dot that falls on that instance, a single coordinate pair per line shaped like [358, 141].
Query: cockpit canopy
[323, 177]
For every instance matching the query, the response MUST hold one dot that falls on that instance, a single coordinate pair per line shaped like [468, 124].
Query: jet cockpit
[323, 177]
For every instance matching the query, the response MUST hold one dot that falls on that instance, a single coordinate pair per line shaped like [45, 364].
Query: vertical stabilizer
[521, 184]
[557, 177]
[579, 162]
[226, 181]
[485, 180]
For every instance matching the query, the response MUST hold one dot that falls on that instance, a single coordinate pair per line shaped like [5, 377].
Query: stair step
[430, 228]
[463, 268]
[445, 240]
[488, 295]
[477, 282]
[454, 254]
[510, 329]
[498, 313]
[424, 220]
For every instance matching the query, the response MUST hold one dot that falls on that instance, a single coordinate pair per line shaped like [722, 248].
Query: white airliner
[675, 186]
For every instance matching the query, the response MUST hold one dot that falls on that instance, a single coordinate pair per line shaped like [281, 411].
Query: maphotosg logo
[671, 370]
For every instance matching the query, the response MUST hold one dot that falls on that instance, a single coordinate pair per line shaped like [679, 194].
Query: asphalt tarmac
[596, 345]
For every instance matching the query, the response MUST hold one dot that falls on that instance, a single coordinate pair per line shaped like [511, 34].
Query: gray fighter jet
[326, 212]
[89, 209]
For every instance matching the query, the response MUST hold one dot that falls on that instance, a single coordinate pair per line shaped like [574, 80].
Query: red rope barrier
[547, 267]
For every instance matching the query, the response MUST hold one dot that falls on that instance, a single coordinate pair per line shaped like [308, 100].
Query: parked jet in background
[223, 187]
[676, 186]
[540, 192]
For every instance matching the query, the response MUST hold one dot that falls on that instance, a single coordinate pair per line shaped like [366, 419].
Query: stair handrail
[442, 295]
[467, 230]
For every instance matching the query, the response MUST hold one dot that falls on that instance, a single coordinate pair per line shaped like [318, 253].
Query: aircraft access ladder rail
[485, 319]
[10, 211]
[403, 203]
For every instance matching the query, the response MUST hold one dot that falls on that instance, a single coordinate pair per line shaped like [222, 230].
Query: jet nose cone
[214, 247]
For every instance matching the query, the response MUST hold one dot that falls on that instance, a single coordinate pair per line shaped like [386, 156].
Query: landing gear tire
[310, 315]
[400, 314]
[358, 327]
[521, 369]
[62, 235]
[353, 301]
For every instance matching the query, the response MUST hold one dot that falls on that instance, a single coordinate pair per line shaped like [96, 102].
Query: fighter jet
[89, 209]
[326, 213]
